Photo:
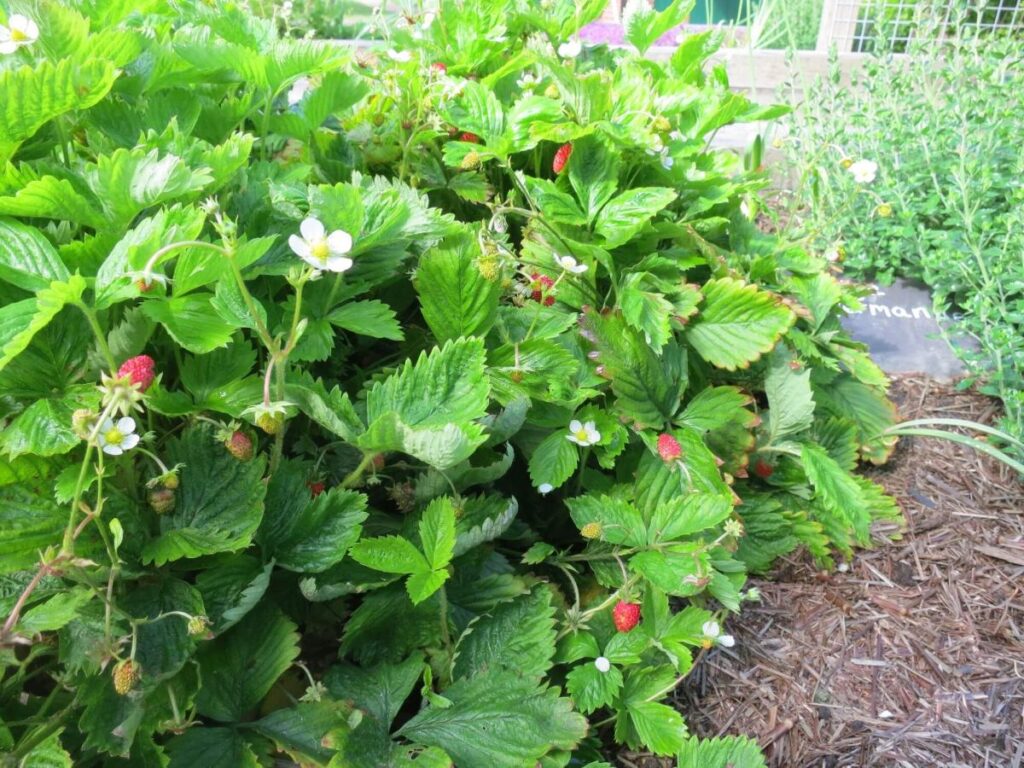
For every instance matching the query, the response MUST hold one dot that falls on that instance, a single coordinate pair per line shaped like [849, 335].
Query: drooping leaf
[518, 635]
[553, 461]
[219, 503]
[737, 323]
[307, 731]
[27, 259]
[192, 321]
[368, 318]
[211, 747]
[232, 588]
[240, 666]
[498, 720]
[455, 298]
[722, 752]
[306, 534]
[22, 320]
[626, 214]
[790, 400]
[32, 96]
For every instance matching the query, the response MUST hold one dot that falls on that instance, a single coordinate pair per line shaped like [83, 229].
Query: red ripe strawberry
[439, 66]
[239, 445]
[472, 138]
[625, 615]
[669, 448]
[539, 287]
[561, 158]
[763, 469]
[316, 488]
[141, 369]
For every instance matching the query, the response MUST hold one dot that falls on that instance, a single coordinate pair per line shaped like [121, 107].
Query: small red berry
[539, 287]
[141, 369]
[625, 615]
[239, 445]
[669, 448]
[763, 468]
[472, 138]
[561, 158]
[316, 488]
[143, 286]
[439, 66]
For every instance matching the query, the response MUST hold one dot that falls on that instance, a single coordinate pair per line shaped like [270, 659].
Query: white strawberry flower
[321, 250]
[545, 488]
[117, 437]
[570, 49]
[583, 434]
[713, 635]
[863, 171]
[298, 91]
[400, 56]
[20, 31]
[569, 264]
[602, 664]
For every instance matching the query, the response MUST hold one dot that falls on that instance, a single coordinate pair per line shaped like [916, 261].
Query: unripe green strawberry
[239, 445]
[625, 615]
[591, 531]
[161, 500]
[198, 625]
[126, 674]
[270, 422]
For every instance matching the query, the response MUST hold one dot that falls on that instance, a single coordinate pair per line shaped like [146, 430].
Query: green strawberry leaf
[219, 503]
[455, 298]
[239, 667]
[306, 534]
[498, 719]
[518, 635]
[738, 323]
[211, 747]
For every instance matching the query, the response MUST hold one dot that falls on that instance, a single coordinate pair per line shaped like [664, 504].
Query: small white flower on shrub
[713, 635]
[321, 250]
[863, 171]
[602, 664]
[545, 488]
[570, 49]
[117, 437]
[583, 434]
[20, 31]
[569, 264]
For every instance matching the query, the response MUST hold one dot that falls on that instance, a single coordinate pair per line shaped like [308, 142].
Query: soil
[911, 655]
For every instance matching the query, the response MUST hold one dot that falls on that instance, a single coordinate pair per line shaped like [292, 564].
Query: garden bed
[910, 658]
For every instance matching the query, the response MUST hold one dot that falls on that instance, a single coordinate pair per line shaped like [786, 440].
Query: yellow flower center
[707, 642]
[319, 250]
[582, 435]
[17, 36]
[113, 436]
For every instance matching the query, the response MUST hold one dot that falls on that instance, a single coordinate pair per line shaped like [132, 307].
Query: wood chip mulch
[911, 657]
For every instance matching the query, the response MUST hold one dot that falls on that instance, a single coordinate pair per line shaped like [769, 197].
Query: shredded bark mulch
[912, 655]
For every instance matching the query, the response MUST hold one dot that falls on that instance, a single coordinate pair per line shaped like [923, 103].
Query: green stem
[101, 338]
[446, 637]
[356, 474]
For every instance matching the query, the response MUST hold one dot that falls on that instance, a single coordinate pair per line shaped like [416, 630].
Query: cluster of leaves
[946, 205]
[383, 516]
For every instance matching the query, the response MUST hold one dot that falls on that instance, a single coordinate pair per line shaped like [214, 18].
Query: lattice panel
[863, 25]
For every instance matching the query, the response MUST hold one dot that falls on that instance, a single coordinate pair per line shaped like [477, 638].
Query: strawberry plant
[350, 415]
